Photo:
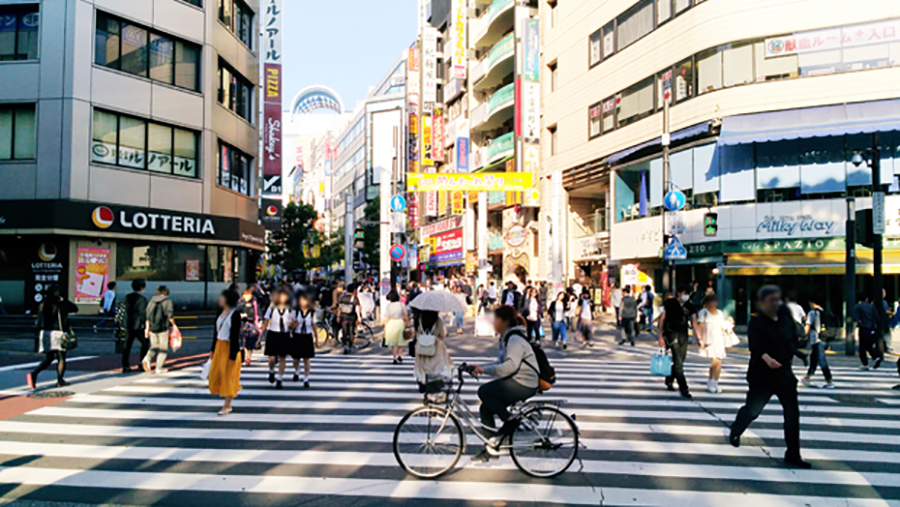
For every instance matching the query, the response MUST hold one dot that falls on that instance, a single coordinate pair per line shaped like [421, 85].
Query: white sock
[306, 378]
[279, 377]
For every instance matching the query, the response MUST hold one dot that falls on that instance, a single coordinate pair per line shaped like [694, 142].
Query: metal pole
[348, 240]
[877, 188]
[850, 278]
[482, 239]
[670, 279]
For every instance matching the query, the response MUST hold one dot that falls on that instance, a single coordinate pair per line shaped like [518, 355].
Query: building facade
[128, 147]
[766, 108]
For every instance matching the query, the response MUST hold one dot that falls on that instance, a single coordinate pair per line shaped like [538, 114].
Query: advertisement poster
[429, 69]
[437, 135]
[431, 204]
[412, 211]
[192, 270]
[272, 126]
[458, 39]
[427, 141]
[91, 274]
[458, 202]
[448, 246]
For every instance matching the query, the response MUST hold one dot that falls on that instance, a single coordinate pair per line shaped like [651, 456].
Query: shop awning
[856, 118]
[678, 135]
[818, 263]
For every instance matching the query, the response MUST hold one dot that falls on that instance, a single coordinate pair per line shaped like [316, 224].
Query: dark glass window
[238, 17]
[19, 32]
[235, 170]
[235, 92]
[17, 136]
[132, 142]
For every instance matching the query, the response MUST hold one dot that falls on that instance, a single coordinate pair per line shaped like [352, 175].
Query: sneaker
[864, 367]
[808, 382]
[30, 379]
[278, 385]
[145, 364]
[711, 387]
[306, 384]
[271, 377]
[828, 385]
[876, 364]
[719, 389]
[161, 371]
[296, 377]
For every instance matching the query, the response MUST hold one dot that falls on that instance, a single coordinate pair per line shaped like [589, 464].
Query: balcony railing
[500, 146]
[495, 8]
[598, 222]
[501, 96]
[495, 241]
[501, 49]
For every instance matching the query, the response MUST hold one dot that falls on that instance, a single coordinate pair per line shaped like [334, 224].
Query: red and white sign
[448, 242]
[412, 210]
[443, 225]
[431, 204]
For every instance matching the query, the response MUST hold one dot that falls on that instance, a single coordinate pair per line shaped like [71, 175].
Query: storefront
[80, 247]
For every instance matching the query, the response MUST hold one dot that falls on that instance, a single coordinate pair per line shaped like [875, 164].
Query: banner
[91, 274]
[485, 182]
[437, 135]
[427, 140]
[458, 202]
[429, 69]
[431, 204]
[412, 210]
[412, 107]
[272, 124]
[462, 146]
[458, 39]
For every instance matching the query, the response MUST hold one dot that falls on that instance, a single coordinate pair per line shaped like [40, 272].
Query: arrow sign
[398, 204]
[675, 200]
[674, 250]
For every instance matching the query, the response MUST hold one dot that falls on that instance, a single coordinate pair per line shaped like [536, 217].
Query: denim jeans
[817, 358]
[648, 315]
[459, 318]
[559, 331]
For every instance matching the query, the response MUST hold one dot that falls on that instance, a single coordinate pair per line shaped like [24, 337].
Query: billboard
[91, 274]
[448, 246]
[458, 39]
[272, 124]
[482, 182]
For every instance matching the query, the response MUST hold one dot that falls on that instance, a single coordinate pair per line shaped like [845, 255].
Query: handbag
[68, 341]
[661, 364]
[204, 370]
[174, 339]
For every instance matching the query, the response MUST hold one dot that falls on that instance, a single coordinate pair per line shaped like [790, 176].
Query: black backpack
[157, 318]
[546, 372]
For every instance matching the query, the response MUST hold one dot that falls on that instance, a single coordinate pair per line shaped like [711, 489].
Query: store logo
[103, 217]
[775, 46]
[47, 252]
[272, 210]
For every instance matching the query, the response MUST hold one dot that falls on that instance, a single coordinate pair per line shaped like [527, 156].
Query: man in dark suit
[135, 317]
[773, 338]
[511, 296]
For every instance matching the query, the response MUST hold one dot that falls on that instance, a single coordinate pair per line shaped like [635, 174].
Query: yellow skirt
[224, 374]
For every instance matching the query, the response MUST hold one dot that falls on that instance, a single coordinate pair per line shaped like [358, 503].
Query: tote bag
[661, 364]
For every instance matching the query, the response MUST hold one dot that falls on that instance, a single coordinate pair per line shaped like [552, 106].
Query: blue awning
[685, 133]
[856, 118]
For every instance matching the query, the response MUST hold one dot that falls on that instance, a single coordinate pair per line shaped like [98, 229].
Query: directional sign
[398, 204]
[398, 253]
[675, 250]
[675, 200]
[877, 212]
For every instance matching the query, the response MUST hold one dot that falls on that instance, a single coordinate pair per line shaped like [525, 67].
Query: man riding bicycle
[517, 369]
[350, 314]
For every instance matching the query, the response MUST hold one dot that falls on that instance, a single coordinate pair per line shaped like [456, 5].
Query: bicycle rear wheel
[364, 336]
[546, 442]
[428, 442]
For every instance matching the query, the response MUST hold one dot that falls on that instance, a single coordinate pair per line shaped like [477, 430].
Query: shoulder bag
[68, 341]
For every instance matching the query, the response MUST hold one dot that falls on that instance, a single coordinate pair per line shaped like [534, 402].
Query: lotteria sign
[104, 218]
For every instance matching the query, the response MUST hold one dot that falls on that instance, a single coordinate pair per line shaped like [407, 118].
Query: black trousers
[868, 346]
[133, 335]
[678, 344]
[49, 357]
[348, 332]
[533, 330]
[628, 329]
[758, 396]
[497, 395]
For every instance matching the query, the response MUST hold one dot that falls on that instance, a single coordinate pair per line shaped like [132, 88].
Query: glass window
[235, 170]
[105, 138]
[709, 70]
[681, 6]
[609, 39]
[663, 11]
[737, 64]
[162, 57]
[684, 80]
[238, 18]
[595, 55]
[185, 157]
[159, 148]
[134, 50]
[19, 32]
[636, 103]
[17, 136]
[770, 69]
[187, 65]
[224, 178]
[106, 42]
[132, 142]
[594, 121]
[225, 12]
[822, 167]
[554, 76]
[635, 23]
[235, 92]
[198, 3]
[158, 261]
[609, 113]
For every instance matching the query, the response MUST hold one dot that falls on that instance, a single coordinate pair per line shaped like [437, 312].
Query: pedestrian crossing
[157, 439]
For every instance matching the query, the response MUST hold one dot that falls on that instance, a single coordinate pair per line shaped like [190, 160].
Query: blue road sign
[675, 200]
[398, 253]
[674, 250]
[398, 204]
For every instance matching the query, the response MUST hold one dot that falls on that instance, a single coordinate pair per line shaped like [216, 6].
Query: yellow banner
[484, 182]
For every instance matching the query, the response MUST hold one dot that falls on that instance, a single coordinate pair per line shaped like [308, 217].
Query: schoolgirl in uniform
[303, 344]
[279, 322]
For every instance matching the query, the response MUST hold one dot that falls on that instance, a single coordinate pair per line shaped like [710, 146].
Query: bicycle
[332, 330]
[429, 440]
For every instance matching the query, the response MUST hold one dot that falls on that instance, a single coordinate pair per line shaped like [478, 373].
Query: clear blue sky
[345, 44]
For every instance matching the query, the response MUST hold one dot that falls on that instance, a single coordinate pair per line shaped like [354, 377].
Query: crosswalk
[157, 439]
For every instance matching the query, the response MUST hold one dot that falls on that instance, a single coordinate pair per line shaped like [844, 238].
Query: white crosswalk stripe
[159, 435]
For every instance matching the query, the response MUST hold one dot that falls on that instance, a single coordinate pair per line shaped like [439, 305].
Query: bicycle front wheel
[546, 442]
[363, 336]
[428, 442]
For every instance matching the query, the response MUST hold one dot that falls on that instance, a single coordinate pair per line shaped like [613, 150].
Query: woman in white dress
[712, 325]
[395, 322]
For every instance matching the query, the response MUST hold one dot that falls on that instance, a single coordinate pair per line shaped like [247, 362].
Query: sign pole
[670, 282]
[878, 247]
[850, 278]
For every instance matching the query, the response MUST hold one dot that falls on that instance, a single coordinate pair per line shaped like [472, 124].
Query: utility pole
[348, 240]
[850, 278]
[665, 140]
[878, 230]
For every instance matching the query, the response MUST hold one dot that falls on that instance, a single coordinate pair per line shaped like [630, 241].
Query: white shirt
[797, 312]
[223, 327]
[280, 321]
[533, 310]
[510, 298]
[492, 292]
[559, 312]
[306, 322]
[586, 309]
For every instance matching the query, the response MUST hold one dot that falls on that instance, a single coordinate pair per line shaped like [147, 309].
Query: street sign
[877, 212]
[398, 253]
[398, 223]
[674, 250]
[675, 223]
[675, 200]
[398, 204]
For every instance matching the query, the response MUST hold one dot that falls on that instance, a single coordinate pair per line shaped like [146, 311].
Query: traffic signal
[864, 234]
[710, 224]
[358, 241]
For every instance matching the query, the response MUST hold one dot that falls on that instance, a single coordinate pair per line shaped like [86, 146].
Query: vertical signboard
[437, 134]
[528, 87]
[412, 108]
[458, 38]
[431, 204]
[272, 126]
[427, 140]
[91, 274]
[462, 146]
[412, 210]
[429, 68]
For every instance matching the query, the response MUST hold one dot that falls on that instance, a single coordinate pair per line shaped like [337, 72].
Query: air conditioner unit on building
[473, 12]
[471, 54]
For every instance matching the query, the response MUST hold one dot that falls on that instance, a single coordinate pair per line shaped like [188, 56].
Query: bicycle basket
[435, 384]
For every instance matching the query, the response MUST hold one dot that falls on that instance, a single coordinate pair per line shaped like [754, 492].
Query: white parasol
[437, 301]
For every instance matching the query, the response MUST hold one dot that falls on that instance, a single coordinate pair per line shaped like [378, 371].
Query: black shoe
[396, 361]
[62, 383]
[296, 378]
[306, 384]
[278, 385]
[400, 359]
[670, 387]
[346, 350]
[621, 342]
[877, 363]
[686, 395]
[797, 462]
[734, 440]
[632, 343]
[126, 370]
[271, 377]
[565, 345]
[484, 456]
[896, 387]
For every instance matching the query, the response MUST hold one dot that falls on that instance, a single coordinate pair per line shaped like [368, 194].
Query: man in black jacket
[772, 338]
[135, 316]
[511, 296]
